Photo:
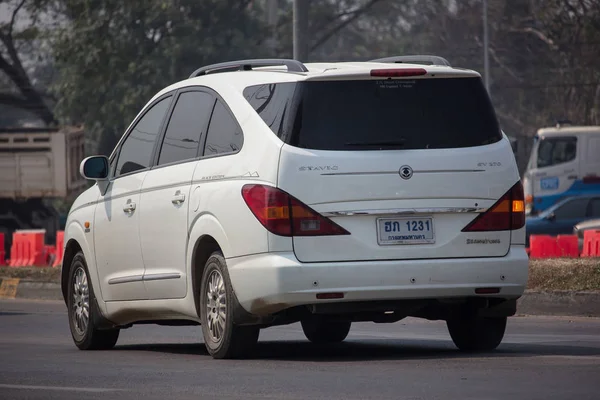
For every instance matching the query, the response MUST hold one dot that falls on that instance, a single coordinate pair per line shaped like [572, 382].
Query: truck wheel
[222, 338]
[81, 311]
[320, 331]
[474, 334]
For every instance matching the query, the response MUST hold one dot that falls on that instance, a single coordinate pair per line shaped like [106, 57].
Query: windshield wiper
[397, 143]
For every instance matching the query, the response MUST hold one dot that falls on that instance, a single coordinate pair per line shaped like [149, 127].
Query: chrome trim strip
[426, 171]
[158, 277]
[405, 211]
[125, 279]
[140, 278]
[442, 171]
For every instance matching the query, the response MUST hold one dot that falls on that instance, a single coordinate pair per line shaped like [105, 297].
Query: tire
[476, 334]
[222, 338]
[80, 301]
[321, 331]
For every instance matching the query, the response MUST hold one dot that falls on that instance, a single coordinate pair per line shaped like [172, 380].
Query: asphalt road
[541, 358]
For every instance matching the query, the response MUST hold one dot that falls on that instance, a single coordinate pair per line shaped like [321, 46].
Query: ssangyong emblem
[406, 172]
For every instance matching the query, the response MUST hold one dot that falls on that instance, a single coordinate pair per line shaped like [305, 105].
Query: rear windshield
[378, 114]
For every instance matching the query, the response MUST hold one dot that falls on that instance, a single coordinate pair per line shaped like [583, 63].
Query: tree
[338, 29]
[543, 54]
[18, 33]
[114, 55]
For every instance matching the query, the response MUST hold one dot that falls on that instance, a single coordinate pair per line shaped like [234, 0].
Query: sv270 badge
[318, 168]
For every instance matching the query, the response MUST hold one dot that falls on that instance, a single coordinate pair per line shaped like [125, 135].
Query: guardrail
[546, 246]
[29, 249]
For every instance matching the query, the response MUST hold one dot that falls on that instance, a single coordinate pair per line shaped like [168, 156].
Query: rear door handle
[178, 198]
[129, 207]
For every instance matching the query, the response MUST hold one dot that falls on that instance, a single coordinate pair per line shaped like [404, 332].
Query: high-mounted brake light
[506, 214]
[398, 73]
[284, 215]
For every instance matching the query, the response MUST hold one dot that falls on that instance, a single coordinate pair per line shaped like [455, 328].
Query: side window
[136, 150]
[576, 208]
[595, 208]
[186, 127]
[273, 102]
[556, 151]
[224, 133]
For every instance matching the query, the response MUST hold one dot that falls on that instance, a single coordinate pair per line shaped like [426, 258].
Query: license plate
[405, 231]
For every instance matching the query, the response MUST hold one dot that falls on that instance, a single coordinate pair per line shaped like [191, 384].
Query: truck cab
[564, 162]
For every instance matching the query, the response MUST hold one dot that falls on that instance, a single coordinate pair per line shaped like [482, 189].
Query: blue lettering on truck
[549, 183]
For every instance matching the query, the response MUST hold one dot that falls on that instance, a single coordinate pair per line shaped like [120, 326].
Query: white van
[251, 195]
[564, 162]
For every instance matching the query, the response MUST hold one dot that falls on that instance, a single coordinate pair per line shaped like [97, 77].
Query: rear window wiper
[395, 143]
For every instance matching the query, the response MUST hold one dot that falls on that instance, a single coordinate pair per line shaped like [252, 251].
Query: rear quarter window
[378, 114]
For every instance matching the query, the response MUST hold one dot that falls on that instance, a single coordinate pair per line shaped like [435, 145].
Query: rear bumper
[271, 282]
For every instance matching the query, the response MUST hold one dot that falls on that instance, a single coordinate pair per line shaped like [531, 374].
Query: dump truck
[37, 165]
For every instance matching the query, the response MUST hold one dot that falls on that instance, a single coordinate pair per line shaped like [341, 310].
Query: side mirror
[94, 168]
[551, 217]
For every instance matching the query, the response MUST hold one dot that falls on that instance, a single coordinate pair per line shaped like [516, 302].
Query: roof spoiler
[416, 59]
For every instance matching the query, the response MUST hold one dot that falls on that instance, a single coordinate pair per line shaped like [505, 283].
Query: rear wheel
[322, 331]
[475, 334]
[80, 300]
[222, 338]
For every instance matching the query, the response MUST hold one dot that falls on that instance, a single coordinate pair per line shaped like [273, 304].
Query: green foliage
[114, 55]
[22, 100]
[543, 54]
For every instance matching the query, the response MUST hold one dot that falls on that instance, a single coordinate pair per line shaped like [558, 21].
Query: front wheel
[222, 338]
[321, 331]
[474, 334]
[80, 309]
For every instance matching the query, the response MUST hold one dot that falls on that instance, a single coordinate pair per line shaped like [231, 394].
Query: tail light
[284, 215]
[506, 214]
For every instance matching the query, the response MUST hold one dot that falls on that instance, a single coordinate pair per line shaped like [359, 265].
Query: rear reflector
[506, 214]
[487, 290]
[398, 73]
[284, 215]
[326, 296]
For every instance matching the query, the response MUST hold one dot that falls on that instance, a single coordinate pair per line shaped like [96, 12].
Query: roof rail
[248, 65]
[420, 59]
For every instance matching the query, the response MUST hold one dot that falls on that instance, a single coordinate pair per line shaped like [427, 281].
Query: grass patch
[576, 274]
[43, 274]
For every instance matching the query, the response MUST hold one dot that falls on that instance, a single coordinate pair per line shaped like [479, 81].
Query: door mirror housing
[94, 168]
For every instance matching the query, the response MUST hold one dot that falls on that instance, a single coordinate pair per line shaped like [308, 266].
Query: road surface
[541, 358]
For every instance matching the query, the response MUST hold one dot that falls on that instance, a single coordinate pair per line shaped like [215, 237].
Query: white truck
[564, 162]
[36, 166]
